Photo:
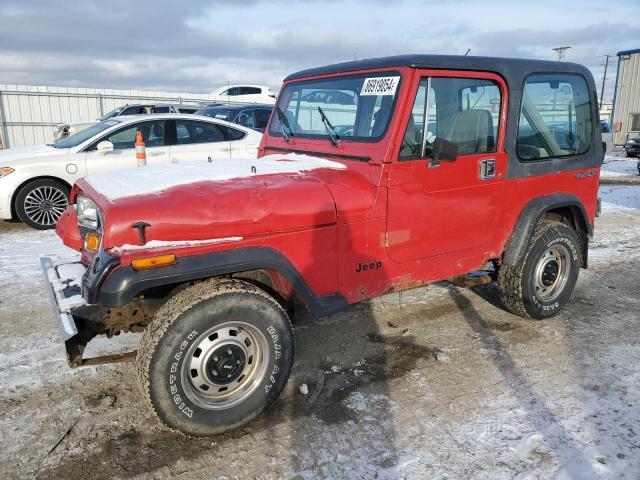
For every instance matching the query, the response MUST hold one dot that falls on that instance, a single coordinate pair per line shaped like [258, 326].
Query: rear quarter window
[555, 117]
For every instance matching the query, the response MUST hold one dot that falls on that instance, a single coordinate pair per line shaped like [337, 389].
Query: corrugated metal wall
[627, 97]
[28, 113]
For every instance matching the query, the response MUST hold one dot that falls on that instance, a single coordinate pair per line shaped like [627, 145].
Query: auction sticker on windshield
[380, 86]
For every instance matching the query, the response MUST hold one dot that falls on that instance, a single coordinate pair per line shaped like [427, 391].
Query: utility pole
[604, 79]
[561, 52]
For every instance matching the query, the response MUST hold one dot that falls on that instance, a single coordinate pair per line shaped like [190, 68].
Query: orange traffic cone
[141, 154]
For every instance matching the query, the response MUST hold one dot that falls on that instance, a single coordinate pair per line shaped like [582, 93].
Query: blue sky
[198, 45]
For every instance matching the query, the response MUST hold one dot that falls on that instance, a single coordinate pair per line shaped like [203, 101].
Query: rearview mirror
[104, 147]
[444, 150]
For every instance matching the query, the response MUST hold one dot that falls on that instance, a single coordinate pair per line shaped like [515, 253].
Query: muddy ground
[438, 383]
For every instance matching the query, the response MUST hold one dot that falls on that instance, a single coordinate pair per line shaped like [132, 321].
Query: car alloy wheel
[45, 204]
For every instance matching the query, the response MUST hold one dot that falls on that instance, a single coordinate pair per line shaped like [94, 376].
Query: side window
[163, 109]
[247, 118]
[233, 134]
[152, 134]
[134, 110]
[250, 91]
[464, 111]
[262, 117]
[555, 117]
[232, 92]
[189, 132]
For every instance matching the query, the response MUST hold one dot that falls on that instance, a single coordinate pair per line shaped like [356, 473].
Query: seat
[381, 117]
[472, 131]
[408, 147]
[156, 138]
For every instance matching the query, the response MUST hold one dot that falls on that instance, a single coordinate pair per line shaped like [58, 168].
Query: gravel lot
[438, 383]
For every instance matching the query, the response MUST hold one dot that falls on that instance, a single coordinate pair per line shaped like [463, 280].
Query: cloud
[197, 45]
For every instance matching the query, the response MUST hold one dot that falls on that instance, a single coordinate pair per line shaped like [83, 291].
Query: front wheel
[542, 283]
[215, 356]
[40, 203]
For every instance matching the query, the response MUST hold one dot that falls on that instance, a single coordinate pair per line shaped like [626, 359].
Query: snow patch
[620, 198]
[153, 179]
[63, 276]
[156, 244]
[619, 167]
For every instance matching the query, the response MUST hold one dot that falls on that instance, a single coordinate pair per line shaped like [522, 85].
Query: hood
[228, 198]
[21, 155]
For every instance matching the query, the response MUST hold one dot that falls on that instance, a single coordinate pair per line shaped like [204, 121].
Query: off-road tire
[45, 184]
[516, 284]
[167, 341]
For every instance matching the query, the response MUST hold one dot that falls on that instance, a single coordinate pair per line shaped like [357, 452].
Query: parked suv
[65, 130]
[210, 261]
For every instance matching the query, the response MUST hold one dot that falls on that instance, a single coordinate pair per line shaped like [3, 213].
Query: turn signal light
[92, 242]
[152, 262]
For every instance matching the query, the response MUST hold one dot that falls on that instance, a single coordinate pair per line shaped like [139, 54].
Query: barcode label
[380, 86]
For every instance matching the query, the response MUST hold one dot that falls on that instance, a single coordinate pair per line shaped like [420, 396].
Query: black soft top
[511, 69]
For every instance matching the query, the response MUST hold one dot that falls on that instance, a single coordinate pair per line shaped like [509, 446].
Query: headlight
[87, 212]
[4, 171]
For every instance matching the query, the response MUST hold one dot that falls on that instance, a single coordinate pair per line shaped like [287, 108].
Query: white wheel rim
[552, 273]
[238, 347]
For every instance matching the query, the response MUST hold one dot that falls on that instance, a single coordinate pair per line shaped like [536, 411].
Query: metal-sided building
[626, 99]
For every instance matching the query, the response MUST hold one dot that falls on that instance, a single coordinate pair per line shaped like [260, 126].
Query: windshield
[84, 135]
[222, 113]
[113, 113]
[357, 107]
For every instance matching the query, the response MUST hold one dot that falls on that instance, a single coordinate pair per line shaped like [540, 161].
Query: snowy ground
[616, 164]
[440, 383]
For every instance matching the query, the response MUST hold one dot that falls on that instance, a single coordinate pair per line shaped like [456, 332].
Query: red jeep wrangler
[374, 176]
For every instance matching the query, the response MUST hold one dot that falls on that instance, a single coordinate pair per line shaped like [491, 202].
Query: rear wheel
[40, 203]
[216, 355]
[542, 283]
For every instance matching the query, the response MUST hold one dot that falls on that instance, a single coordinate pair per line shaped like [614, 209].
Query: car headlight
[4, 171]
[87, 212]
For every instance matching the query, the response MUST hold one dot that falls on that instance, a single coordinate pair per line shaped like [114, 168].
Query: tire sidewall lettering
[551, 238]
[173, 375]
[277, 353]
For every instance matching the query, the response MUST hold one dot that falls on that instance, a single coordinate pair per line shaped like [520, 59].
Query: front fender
[68, 230]
[529, 216]
[124, 283]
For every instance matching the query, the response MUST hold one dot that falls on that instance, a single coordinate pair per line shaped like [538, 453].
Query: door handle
[487, 169]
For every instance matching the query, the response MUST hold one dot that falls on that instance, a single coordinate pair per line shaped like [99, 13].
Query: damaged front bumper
[64, 284]
[78, 321]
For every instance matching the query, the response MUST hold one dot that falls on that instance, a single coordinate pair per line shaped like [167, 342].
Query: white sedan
[35, 181]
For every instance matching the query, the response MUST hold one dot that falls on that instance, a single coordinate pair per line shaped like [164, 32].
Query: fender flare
[124, 283]
[529, 216]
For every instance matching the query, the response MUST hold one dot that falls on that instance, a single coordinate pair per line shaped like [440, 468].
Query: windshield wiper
[335, 138]
[284, 122]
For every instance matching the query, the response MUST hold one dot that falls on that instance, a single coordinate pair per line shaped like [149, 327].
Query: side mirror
[104, 147]
[444, 150]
